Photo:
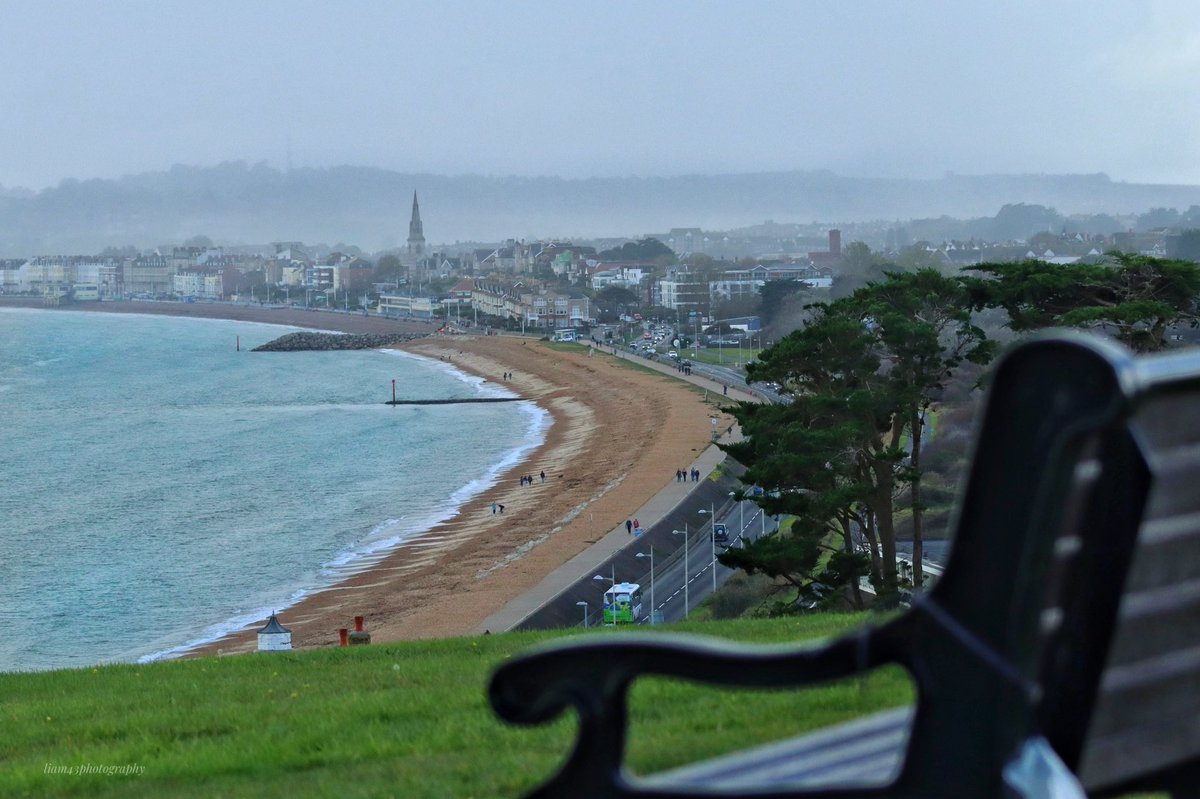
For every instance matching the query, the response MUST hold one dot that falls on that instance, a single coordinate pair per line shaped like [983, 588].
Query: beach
[617, 437]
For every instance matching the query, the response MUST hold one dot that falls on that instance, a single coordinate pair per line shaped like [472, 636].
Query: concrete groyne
[453, 401]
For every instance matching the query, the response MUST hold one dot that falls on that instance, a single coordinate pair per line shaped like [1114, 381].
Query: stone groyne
[306, 342]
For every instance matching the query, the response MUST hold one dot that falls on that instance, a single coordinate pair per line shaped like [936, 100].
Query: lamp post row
[711, 510]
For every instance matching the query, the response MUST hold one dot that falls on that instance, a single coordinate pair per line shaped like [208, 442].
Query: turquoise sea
[160, 488]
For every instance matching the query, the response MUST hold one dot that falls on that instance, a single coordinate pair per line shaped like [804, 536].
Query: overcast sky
[907, 89]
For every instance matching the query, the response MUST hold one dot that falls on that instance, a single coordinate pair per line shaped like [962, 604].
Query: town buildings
[541, 285]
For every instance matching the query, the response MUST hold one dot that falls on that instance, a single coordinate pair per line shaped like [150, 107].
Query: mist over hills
[240, 203]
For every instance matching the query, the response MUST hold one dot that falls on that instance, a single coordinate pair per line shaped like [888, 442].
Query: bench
[1060, 647]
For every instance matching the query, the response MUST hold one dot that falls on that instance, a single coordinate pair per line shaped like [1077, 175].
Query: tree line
[842, 455]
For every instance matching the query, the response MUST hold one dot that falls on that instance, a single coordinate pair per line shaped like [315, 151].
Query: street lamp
[741, 513]
[584, 606]
[612, 606]
[712, 524]
[686, 602]
[652, 605]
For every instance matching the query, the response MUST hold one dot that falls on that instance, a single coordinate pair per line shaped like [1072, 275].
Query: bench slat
[1157, 621]
[858, 753]
[1106, 759]
[1168, 552]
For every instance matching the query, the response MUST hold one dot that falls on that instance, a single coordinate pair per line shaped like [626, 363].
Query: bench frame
[989, 678]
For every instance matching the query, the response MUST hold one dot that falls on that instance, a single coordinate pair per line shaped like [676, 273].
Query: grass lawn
[404, 720]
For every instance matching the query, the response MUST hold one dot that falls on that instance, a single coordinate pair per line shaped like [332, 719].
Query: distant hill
[241, 203]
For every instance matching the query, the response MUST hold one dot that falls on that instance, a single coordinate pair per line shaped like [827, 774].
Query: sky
[574, 89]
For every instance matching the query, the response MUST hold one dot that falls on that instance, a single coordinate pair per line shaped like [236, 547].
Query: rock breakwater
[306, 342]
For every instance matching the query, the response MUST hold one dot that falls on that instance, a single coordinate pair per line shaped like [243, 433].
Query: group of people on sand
[682, 475]
[527, 479]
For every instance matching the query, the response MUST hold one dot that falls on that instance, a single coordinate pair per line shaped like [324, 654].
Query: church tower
[416, 236]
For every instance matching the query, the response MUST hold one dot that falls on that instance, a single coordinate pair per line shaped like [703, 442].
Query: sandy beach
[617, 437]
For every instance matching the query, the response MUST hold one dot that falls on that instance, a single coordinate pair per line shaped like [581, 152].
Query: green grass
[406, 720]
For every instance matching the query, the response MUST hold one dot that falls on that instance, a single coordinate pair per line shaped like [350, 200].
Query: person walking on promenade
[628, 527]
[637, 528]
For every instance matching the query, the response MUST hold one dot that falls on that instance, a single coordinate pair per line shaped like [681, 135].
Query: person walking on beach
[493, 508]
[502, 509]
[543, 476]
[628, 527]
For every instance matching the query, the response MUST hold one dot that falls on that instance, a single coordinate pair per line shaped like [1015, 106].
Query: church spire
[416, 235]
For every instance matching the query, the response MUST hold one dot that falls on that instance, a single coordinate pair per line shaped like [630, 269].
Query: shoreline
[617, 437]
[446, 581]
[351, 565]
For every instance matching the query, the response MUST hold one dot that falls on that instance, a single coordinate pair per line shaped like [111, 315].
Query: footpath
[659, 507]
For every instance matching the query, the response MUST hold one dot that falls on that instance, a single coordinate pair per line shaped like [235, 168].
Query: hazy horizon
[281, 169]
[661, 89]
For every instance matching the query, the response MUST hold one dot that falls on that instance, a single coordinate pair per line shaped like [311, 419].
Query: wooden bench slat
[1105, 761]
[1154, 621]
[1169, 419]
[857, 753]
[1146, 694]
[1168, 552]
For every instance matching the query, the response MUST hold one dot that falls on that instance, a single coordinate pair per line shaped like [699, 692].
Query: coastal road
[623, 558]
[744, 521]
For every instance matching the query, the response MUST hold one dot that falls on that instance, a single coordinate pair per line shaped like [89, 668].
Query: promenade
[593, 560]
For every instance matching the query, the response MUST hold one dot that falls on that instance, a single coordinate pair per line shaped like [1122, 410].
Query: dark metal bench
[1067, 620]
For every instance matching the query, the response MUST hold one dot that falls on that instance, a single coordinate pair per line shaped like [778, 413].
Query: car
[672, 354]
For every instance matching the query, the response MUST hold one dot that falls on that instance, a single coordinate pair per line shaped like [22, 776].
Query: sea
[160, 488]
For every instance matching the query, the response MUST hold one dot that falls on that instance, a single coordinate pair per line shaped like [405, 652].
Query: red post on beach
[393, 392]
[359, 636]
[343, 637]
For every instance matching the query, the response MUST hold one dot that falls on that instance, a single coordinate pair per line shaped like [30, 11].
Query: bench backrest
[1145, 728]
[1120, 702]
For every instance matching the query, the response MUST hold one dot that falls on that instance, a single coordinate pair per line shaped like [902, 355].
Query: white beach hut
[274, 637]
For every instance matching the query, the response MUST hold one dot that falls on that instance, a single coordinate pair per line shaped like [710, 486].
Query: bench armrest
[594, 676]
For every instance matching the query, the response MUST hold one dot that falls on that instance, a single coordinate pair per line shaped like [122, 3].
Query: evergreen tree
[1134, 298]
[860, 376]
